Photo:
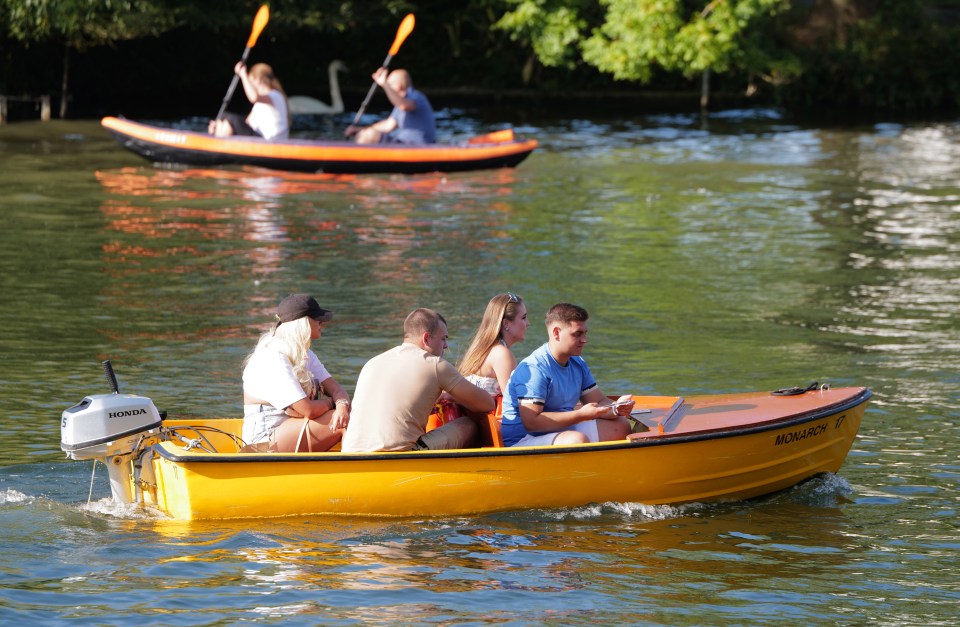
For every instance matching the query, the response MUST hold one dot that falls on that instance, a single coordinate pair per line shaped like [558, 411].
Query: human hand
[380, 76]
[240, 68]
[341, 416]
[351, 131]
[623, 405]
[595, 411]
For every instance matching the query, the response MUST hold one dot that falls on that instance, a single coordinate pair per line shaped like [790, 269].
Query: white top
[269, 377]
[490, 385]
[270, 121]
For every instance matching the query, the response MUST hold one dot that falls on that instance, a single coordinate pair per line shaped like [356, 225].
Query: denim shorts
[260, 422]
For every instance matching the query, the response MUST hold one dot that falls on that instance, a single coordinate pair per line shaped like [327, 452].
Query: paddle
[259, 22]
[404, 30]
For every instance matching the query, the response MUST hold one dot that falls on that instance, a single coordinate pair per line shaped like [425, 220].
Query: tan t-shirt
[396, 391]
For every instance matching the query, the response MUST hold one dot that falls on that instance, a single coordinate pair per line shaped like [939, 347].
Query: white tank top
[270, 121]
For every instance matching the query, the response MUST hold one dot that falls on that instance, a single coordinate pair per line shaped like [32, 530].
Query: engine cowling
[105, 425]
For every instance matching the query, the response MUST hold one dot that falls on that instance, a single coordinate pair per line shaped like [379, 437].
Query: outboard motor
[108, 427]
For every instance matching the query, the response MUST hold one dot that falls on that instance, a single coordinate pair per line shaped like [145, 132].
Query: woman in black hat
[290, 401]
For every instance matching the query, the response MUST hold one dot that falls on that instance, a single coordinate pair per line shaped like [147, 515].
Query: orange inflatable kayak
[499, 149]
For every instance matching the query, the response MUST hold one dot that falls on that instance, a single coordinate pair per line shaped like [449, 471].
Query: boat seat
[490, 424]
[494, 422]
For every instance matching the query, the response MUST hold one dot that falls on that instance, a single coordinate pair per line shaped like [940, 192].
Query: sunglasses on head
[513, 298]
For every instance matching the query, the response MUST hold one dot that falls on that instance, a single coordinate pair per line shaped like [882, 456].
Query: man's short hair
[565, 313]
[420, 321]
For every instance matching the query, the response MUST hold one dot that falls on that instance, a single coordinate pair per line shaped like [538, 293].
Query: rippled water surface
[746, 252]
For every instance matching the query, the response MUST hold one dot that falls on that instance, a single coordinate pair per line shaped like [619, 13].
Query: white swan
[305, 105]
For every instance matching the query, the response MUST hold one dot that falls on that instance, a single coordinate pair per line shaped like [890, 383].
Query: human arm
[240, 69]
[338, 402]
[623, 406]
[336, 398]
[404, 104]
[249, 89]
[341, 403]
[472, 397]
[269, 379]
[535, 420]
[309, 408]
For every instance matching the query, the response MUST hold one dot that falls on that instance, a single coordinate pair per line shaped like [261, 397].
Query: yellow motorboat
[698, 449]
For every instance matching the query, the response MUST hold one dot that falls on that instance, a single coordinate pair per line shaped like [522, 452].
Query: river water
[742, 252]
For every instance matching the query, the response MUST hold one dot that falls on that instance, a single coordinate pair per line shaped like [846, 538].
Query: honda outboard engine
[108, 427]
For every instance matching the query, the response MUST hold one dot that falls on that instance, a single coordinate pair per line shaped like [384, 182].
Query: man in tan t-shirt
[397, 390]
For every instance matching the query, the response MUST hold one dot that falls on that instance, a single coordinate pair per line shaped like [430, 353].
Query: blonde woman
[270, 116]
[288, 395]
[489, 361]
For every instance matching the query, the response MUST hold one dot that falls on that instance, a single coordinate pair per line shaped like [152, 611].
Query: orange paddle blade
[406, 27]
[259, 23]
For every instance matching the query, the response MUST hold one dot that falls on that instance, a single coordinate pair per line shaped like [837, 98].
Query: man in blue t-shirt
[410, 122]
[540, 406]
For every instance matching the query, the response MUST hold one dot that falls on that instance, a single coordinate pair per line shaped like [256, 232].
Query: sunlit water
[746, 253]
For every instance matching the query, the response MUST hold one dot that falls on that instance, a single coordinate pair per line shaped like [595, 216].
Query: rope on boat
[92, 475]
[206, 444]
[193, 443]
[794, 391]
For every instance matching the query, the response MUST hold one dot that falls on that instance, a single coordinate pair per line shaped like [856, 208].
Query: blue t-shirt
[417, 126]
[541, 379]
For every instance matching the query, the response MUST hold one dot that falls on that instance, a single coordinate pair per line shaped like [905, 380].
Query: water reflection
[255, 206]
[562, 562]
[745, 253]
[902, 302]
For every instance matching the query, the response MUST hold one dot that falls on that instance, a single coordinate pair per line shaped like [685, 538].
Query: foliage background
[167, 58]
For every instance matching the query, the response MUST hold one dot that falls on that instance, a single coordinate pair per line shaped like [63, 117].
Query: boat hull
[712, 448]
[166, 145]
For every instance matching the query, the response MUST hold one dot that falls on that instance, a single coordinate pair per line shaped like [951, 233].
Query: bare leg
[220, 128]
[319, 434]
[368, 136]
[613, 429]
[571, 437]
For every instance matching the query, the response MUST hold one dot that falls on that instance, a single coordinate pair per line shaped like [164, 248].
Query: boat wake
[623, 510]
[824, 490]
[637, 510]
[10, 496]
[127, 511]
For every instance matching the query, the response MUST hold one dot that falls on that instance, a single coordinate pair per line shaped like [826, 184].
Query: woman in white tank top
[270, 116]
[489, 361]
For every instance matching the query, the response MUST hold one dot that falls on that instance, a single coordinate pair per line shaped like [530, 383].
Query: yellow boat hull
[700, 449]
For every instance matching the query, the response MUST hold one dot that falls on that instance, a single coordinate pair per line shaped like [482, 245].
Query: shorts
[588, 428]
[405, 136]
[260, 422]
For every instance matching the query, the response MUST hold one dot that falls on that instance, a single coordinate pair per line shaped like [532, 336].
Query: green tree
[630, 39]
